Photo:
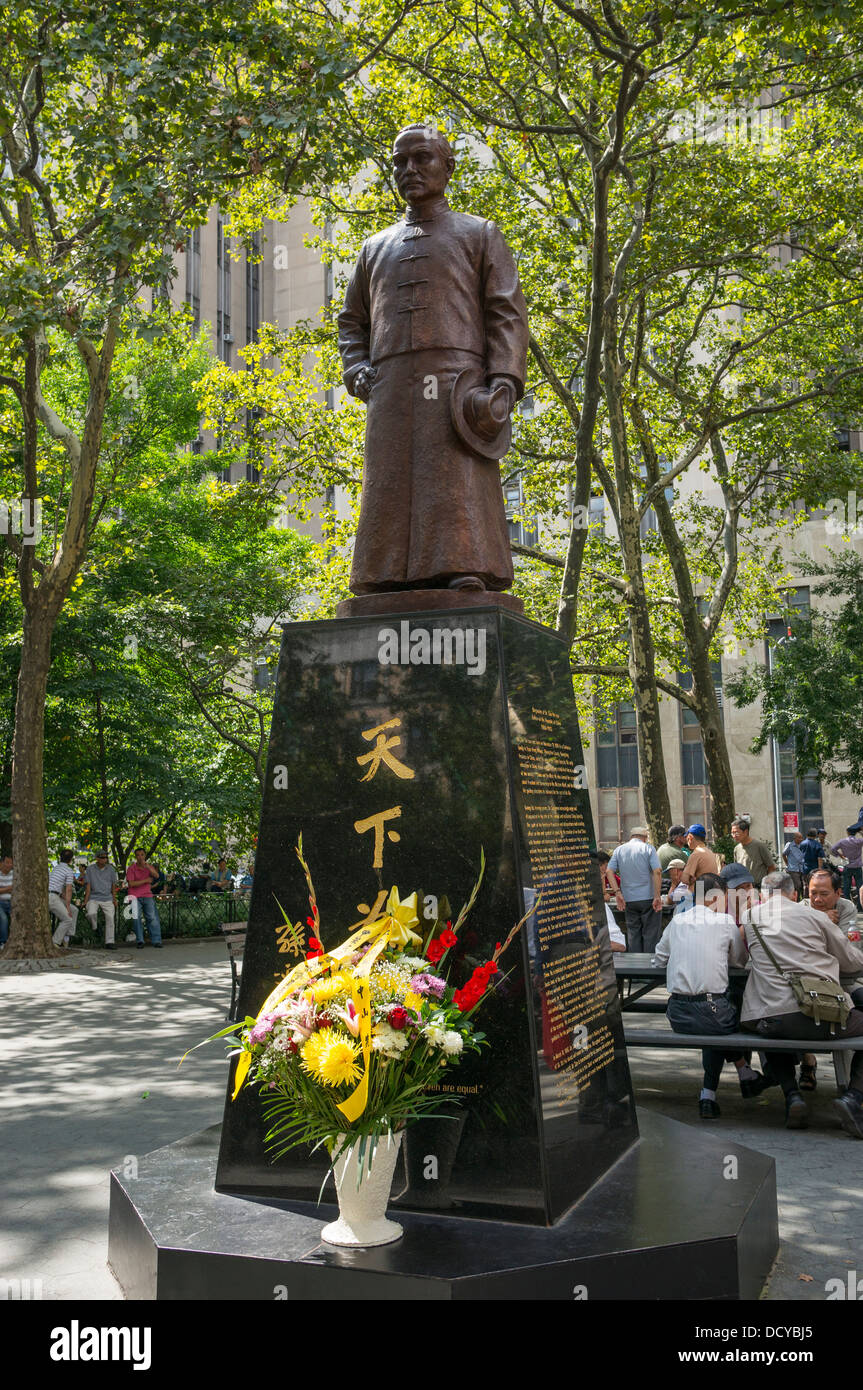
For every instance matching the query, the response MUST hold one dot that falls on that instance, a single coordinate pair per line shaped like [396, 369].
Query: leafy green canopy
[813, 689]
[159, 697]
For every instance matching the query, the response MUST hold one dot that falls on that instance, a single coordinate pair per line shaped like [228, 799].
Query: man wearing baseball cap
[701, 859]
[100, 891]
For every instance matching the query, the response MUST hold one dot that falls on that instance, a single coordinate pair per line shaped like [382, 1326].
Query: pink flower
[349, 1016]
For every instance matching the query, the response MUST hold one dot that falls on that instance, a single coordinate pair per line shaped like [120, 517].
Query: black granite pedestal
[675, 1218]
[403, 749]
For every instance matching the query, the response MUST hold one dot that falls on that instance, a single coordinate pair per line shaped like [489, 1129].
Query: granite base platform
[682, 1215]
[425, 601]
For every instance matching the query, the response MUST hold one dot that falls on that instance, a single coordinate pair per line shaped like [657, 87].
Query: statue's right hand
[363, 382]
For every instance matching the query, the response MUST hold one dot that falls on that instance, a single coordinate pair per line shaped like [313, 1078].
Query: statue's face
[422, 170]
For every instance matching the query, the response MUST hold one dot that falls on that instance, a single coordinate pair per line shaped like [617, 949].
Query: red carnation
[398, 1018]
[323, 1021]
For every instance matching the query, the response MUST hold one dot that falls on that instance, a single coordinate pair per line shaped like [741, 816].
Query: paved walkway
[90, 1079]
[817, 1170]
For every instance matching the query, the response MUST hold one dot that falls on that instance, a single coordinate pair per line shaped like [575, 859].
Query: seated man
[803, 941]
[825, 896]
[698, 946]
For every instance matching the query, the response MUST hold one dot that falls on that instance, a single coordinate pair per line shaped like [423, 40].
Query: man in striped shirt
[61, 881]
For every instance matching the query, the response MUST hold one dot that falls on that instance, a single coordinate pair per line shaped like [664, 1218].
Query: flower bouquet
[348, 1046]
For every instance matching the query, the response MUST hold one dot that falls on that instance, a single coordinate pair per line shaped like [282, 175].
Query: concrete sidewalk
[90, 1080]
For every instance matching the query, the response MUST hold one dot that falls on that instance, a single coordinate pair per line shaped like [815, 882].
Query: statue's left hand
[497, 381]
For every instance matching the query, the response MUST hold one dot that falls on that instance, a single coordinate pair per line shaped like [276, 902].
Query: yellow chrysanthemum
[330, 988]
[330, 1057]
[413, 1001]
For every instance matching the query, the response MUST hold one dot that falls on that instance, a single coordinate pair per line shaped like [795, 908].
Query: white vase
[363, 1198]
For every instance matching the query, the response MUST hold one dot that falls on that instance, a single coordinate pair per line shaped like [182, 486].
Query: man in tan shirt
[804, 942]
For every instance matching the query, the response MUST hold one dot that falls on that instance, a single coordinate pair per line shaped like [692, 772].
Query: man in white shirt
[697, 947]
[61, 881]
[803, 941]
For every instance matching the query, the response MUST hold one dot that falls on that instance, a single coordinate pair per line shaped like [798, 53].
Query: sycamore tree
[813, 689]
[121, 125]
[693, 291]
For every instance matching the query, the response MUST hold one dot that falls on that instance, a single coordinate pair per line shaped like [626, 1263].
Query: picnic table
[633, 967]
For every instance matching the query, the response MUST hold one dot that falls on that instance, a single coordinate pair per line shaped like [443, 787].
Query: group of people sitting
[727, 916]
[780, 939]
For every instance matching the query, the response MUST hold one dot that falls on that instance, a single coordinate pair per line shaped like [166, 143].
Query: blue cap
[698, 830]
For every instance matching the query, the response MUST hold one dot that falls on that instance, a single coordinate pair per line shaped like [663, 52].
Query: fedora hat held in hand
[481, 416]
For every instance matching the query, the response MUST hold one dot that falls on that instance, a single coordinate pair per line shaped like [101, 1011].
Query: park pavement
[91, 1080]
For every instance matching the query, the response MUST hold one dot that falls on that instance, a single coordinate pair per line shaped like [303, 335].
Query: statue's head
[423, 162]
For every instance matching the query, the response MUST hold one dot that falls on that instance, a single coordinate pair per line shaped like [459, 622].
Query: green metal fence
[186, 914]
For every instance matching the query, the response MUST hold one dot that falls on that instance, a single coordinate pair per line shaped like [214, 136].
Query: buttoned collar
[426, 214]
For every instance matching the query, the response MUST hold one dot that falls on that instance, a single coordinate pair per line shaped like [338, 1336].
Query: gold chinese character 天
[377, 822]
[382, 751]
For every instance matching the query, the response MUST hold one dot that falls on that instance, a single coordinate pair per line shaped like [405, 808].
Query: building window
[617, 777]
[223, 294]
[521, 531]
[193, 275]
[617, 750]
[253, 291]
[365, 679]
[796, 791]
[800, 793]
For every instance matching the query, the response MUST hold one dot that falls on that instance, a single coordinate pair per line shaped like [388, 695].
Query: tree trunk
[651, 762]
[715, 753]
[30, 933]
[642, 655]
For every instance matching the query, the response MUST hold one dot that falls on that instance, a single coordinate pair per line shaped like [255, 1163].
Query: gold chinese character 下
[377, 822]
[382, 755]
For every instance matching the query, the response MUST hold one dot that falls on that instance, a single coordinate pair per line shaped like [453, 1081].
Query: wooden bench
[235, 940]
[753, 1042]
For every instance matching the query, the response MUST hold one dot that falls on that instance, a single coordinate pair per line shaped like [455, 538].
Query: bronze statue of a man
[433, 336]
